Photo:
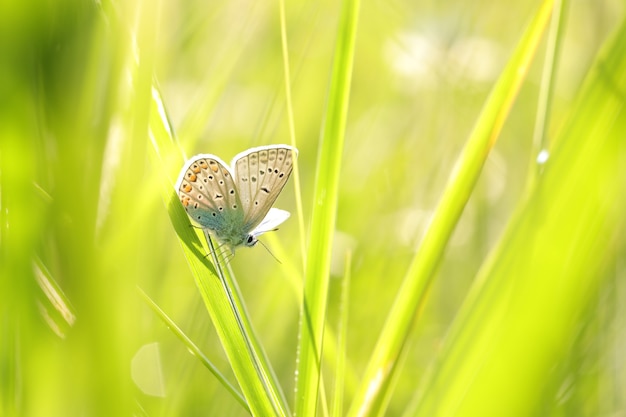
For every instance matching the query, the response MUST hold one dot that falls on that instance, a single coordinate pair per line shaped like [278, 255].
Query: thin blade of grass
[546, 93]
[313, 313]
[292, 129]
[221, 298]
[342, 332]
[506, 350]
[369, 399]
[193, 348]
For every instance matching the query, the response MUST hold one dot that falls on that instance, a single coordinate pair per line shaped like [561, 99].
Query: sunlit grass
[519, 311]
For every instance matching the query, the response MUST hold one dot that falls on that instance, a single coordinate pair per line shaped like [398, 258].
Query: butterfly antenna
[270, 252]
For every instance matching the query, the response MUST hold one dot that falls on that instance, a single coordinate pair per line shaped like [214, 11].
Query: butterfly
[235, 202]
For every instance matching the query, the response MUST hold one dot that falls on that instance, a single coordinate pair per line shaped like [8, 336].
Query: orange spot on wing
[187, 188]
[213, 166]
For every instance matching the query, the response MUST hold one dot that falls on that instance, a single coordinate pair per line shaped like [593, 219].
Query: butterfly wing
[207, 190]
[271, 221]
[260, 174]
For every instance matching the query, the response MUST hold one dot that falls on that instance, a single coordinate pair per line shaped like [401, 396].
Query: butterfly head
[237, 240]
[250, 240]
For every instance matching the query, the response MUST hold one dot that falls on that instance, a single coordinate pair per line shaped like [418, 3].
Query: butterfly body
[235, 202]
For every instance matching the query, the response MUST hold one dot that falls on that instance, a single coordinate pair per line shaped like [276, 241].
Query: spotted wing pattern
[207, 191]
[260, 175]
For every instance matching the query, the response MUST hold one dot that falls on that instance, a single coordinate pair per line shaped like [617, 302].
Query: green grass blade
[342, 331]
[219, 293]
[546, 93]
[369, 399]
[506, 352]
[194, 349]
[323, 218]
[292, 129]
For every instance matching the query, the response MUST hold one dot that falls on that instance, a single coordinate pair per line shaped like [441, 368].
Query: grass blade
[324, 214]
[532, 297]
[220, 295]
[292, 129]
[194, 349]
[342, 331]
[369, 399]
[546, 94]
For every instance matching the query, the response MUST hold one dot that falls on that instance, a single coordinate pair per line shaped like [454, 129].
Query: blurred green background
[84, 224]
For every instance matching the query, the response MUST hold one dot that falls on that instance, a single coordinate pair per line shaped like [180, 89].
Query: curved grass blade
[194, 349]
[370, 397]
[507, 350]
[222, 300]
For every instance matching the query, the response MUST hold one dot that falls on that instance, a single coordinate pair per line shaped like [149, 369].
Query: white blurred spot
[496, 173]
[424, 59]
[414, 54]
[476, 59]
[146, 370]
[543, 157]
[416, 58]
[342, 243]
[411, 225]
